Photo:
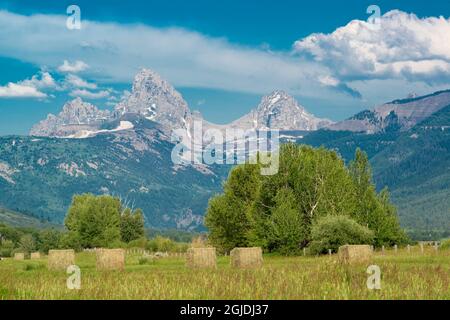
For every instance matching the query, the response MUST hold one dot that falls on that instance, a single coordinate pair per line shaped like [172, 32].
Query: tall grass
[404, 276]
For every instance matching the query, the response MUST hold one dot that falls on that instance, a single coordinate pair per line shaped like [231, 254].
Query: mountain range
[156, 100]
[127, 152]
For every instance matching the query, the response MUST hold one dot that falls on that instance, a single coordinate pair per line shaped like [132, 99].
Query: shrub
[138, 243]
[160, 244]
[70, 240]
[331, 232]
[116, 244]
[6, 248]
[445, 245]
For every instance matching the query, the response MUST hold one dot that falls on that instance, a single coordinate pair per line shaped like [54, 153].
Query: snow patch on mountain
[280, 111]
[7, 172]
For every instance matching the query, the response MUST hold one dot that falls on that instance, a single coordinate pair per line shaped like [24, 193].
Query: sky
[335, 57]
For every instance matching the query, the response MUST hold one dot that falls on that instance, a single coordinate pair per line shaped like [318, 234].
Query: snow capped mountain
[280, 111]
[157, 100]
[75, 116]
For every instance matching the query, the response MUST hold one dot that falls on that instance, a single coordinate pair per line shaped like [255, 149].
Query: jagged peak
[280, 93]
[147, 79]
[275, 98]
[76, 103]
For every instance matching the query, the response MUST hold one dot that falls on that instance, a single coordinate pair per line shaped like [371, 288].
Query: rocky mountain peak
[279, 110]
[278, 101]
[75, 115]
[79, 112]
[157, 100]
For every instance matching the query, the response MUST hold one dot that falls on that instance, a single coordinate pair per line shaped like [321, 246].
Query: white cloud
[115, 52]
[14, 90]
[42, 81]
[77, 66]
[83, 93]
[328, 80]
[404, 47]
[78, 82]
[29, 88]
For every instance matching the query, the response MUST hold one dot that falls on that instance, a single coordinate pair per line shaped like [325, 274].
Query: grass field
[404, 276]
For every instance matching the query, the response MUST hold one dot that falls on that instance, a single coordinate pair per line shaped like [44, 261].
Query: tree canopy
[102, 221]
[277, 212]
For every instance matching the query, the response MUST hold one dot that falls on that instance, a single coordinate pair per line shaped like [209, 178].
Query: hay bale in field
[19, 256]
[110, 259]
[201, 258]
[35, 255]
[60, 259]
[355, 253]
[246, 257]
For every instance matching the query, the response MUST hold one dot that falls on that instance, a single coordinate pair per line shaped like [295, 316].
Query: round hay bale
[201, 258]
[35, 255]
[355, 253]
[60, 259]
[19, 256]
[246, 257]
[110, 259]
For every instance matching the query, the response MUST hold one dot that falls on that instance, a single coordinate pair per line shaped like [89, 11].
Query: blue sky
[221, 55]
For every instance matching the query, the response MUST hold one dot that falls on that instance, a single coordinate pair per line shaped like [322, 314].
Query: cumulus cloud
[83, 93]
[403, 47]
[14, 90]
[29, 88]
[43, 80]
[348, 60]
[78, 82]
[75, 67]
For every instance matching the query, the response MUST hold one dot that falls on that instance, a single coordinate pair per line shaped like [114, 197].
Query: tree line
[314, 202]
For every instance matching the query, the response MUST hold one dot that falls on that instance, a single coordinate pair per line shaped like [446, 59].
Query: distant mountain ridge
[157, 100]
[400, 114]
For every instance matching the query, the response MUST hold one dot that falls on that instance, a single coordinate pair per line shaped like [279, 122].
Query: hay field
[404, 276]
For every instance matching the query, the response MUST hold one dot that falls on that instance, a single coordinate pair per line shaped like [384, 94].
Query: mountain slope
[396, 115]
[40, 175]
[417, 169]
[16, 219]
[413, 163]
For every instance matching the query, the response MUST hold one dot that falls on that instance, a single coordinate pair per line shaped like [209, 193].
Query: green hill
[16, 219]
[416, 168]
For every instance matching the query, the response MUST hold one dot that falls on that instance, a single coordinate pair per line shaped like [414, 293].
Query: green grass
[404, 276]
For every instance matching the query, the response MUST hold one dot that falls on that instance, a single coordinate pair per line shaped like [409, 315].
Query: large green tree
[101, 221]
[131, 225]
[94, 219]
[310, 183]
[229, 214]
[277, 212]
[374, 210]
